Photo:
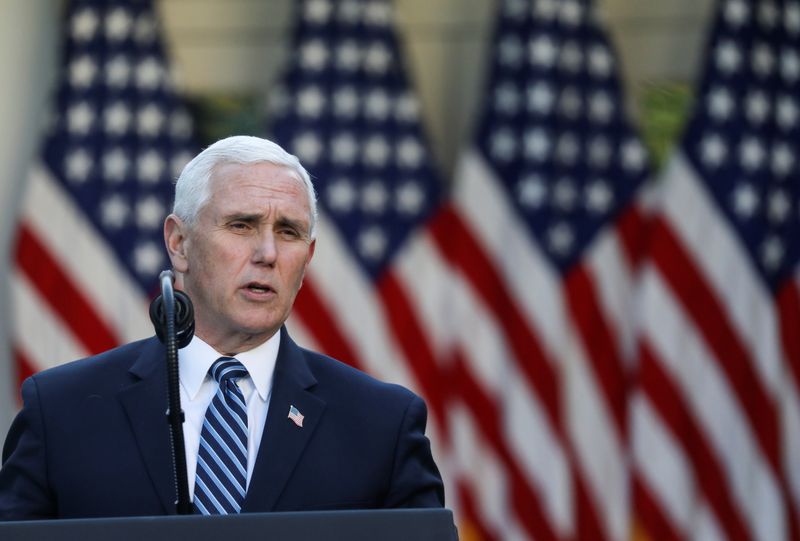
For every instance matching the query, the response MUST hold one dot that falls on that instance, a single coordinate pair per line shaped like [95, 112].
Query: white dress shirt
[198, 389]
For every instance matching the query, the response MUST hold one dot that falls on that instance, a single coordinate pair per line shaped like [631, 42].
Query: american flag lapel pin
[296, 416]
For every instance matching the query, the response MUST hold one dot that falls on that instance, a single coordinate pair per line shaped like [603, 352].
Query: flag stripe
[526, 504]
[587, 523]
[632, 227]
[34, 313]
[24, 365]
[649, 513]
[85, 256]
[663, 470]
[524, 420]
[414, 343]
[613, 276]
[470, 518]
[433, 317]
[721, 258]
[712, 321]
[671, 408]
[61, 294]
[422, 259]
[714, 405]
[752, 314]
[301, 334]
[788, 304]
[520, 410]
[476, 468]
[319, 319]
[533, 284]
[457, 243]
[360, 315]
[599, 344]
[600, 487]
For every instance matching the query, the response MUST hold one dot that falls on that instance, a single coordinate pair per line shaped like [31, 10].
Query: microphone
[184, 312]
[172, 315]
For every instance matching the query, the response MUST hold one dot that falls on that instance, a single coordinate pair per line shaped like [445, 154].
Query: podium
[382, 525]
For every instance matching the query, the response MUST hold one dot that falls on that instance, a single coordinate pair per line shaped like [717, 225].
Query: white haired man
[269, 426]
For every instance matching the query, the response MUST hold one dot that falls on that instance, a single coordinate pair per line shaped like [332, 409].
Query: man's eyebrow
[284, 221]
[241, 217]
[254, 218]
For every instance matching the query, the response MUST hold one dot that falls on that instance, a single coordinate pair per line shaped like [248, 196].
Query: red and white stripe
[712, 434]
[377, 328]
[537, 370]
[71, 297]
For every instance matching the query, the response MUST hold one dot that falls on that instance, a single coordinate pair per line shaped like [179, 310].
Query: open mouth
[259, 288]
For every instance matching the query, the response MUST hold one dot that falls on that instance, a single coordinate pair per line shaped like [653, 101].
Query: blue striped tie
[221, 479]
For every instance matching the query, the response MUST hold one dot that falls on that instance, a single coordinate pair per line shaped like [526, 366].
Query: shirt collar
[197, 357]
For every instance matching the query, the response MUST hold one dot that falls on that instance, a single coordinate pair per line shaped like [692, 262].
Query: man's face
[243, 261]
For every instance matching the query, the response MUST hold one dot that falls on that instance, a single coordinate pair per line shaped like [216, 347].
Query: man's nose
[266, 249]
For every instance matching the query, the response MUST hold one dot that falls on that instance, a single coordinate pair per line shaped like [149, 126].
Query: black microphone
[184, 312]
[172, 315]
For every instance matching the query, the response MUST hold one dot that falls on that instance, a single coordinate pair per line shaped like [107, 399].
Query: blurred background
[571, 226]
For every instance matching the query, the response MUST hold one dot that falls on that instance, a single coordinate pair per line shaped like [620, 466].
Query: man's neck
[232, 345]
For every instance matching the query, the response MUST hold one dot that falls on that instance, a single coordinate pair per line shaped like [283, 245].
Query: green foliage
[664, 107]
[221, 115]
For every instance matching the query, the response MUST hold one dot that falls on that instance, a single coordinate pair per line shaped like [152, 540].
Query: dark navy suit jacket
[92, 440]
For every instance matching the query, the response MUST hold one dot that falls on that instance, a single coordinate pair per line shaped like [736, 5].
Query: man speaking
[269, 426]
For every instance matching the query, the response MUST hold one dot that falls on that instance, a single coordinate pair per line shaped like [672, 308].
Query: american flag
[507, 309]
[89, 243]
[296, 416]
[716, 419]
[544, 234]
[345, 107]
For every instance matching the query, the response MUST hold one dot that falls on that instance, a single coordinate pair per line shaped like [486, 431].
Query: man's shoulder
[350, 382]
[102, 366]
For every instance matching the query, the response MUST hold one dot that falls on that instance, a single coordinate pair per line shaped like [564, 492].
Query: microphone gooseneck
[173, 318]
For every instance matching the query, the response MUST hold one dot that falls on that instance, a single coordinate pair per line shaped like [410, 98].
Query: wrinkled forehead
[236, 183]
[224, 171]
[264, 173]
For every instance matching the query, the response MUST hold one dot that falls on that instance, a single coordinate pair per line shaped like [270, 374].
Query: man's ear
[311, 248]
[176, 241]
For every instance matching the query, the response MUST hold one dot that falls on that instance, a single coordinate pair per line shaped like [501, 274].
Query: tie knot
[227, 368]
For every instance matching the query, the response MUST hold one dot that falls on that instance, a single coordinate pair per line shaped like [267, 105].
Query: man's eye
[289, 233]
[240, 226]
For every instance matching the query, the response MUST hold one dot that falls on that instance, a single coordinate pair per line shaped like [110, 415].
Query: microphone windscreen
[184, 318]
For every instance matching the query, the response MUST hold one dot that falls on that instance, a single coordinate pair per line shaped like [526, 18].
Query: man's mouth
[259, 288]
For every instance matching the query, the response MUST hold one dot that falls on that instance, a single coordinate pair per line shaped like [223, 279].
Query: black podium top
[382, 525]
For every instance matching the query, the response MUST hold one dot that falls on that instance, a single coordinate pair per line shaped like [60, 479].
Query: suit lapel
[145, 403]
[283, 441]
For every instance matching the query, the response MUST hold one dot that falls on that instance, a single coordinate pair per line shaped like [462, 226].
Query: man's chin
[261, 329]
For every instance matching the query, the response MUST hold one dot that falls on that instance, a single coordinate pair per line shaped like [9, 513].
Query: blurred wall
[28, 43]
[238, 46]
